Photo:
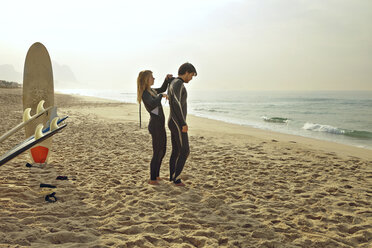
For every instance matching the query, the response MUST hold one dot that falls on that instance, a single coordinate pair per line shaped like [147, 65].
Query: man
[177, 95]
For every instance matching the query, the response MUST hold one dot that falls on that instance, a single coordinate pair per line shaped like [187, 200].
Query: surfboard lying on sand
[40, 131]
[38, 85]
[28, 143]
[27, 119]
[59, 120]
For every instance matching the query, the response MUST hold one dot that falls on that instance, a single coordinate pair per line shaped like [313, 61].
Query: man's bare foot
[159, 179]
[153, 182]
[180, 184]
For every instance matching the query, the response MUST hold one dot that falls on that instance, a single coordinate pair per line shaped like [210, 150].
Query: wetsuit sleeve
[164, 86]
[177, 93]
[150, 101]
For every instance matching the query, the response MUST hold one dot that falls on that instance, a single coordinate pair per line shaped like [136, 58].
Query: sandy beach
[245, 187]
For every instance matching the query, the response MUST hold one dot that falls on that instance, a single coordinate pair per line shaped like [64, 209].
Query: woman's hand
[168, 77]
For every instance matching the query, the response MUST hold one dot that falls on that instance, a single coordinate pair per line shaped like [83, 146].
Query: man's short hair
[186, 67]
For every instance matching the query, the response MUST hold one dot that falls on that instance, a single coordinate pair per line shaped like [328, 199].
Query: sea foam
[335, 130]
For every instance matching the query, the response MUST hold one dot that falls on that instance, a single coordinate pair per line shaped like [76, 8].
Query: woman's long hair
[142, 83]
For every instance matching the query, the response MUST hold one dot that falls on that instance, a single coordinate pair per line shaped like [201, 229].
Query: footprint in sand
[263, 234]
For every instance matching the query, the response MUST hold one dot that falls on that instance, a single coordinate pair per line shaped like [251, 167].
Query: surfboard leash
[140, 114]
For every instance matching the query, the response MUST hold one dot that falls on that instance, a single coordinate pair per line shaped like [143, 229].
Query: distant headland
[6, 84]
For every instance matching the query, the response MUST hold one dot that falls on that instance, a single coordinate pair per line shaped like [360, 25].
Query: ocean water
[342, 117]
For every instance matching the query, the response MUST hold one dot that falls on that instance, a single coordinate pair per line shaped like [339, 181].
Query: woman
[152, 101]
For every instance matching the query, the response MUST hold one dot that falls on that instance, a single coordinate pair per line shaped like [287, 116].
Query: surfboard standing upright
[38, 85]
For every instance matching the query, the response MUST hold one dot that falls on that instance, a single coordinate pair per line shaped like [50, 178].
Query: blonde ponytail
[142, 83]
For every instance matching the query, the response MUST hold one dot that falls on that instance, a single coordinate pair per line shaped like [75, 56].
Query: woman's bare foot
[153, 182]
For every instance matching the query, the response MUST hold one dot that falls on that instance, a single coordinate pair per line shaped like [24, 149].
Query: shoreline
[336, 135]
[210, 127]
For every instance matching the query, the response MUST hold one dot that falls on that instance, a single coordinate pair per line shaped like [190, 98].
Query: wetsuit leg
[180, 151]
[175, 152]
[159, 140]
[184, 153]
[162, 148]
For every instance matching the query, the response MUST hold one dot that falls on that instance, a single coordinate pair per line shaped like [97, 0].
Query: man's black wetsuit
[177, 95]
[156, 127]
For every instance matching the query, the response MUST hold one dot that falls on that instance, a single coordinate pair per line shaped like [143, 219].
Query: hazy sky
[248, 45]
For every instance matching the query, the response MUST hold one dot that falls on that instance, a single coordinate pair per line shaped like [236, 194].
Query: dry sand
[245, 187]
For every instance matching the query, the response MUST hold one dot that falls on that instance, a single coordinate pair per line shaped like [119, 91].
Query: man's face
[189, 76]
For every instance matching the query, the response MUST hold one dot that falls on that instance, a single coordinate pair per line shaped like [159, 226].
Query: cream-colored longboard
[37, 86]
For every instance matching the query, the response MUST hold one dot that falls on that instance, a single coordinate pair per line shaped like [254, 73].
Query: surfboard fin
[39, 131]
[40, 107]
[54, 125]
[26, 114]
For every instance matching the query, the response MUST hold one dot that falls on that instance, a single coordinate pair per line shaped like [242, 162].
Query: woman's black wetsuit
[156, 127]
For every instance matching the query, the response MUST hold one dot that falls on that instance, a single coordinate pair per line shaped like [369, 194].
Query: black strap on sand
[51, 198]
[62, 178]
[45, 185]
